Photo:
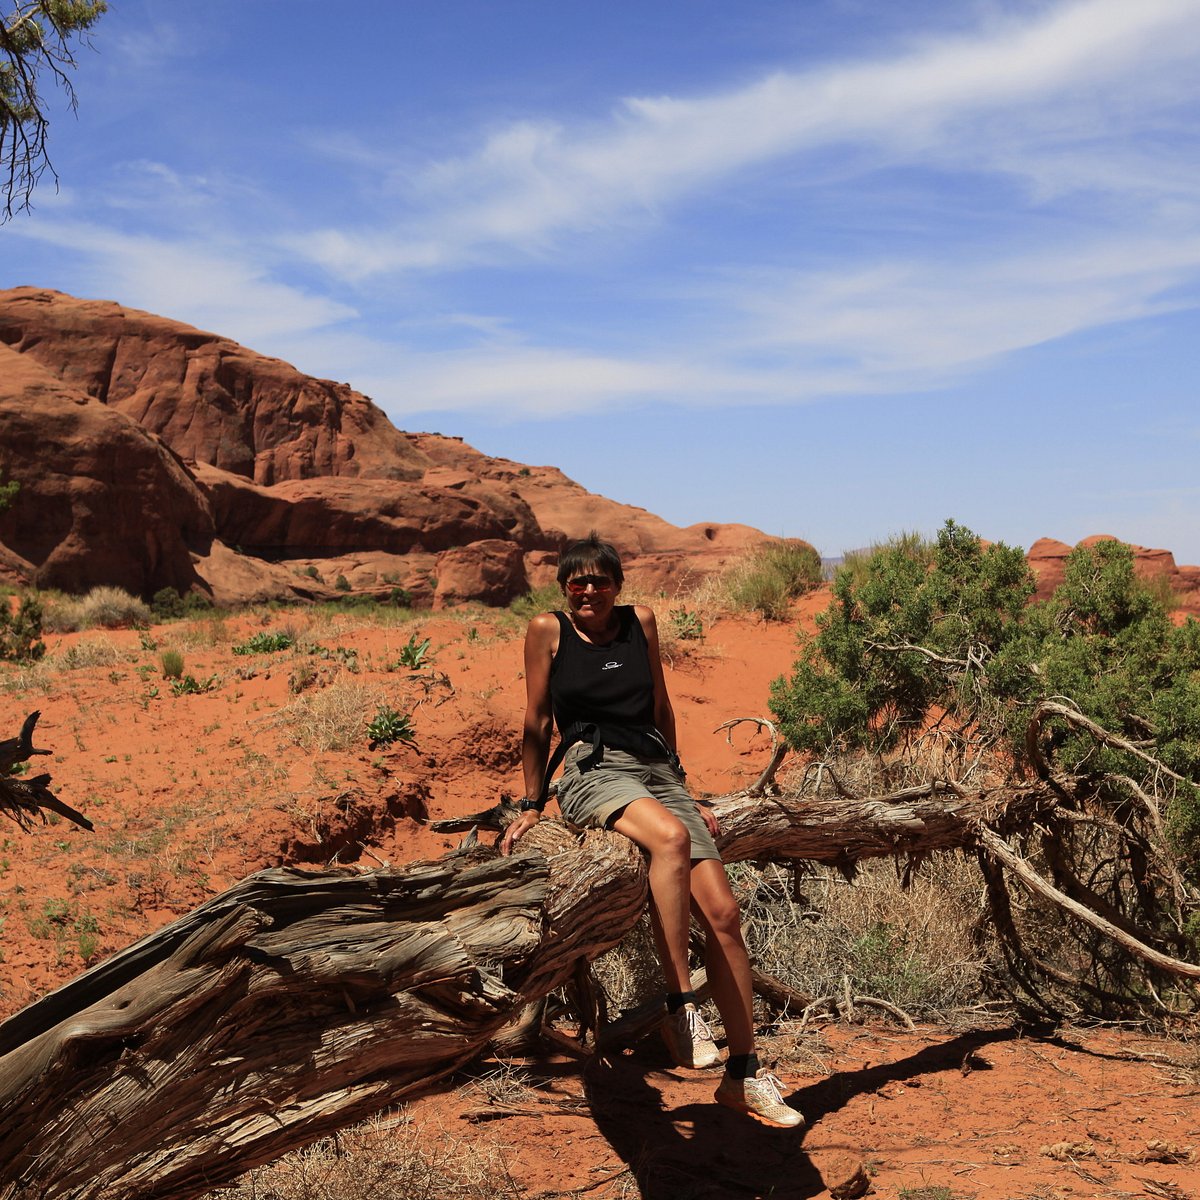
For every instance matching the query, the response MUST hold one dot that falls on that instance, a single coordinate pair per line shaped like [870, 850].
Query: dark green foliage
[916, 632]
[399, 597]
[8, 493]
[897, 619]
[266, 643]
[168, 605]
[21, 631]
[341, 583]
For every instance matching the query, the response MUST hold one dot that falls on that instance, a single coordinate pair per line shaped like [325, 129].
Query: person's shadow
[725, 1154]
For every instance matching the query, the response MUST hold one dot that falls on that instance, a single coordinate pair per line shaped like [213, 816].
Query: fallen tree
[296, 1003]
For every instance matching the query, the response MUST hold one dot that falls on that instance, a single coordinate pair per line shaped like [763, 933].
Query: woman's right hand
[525, 822]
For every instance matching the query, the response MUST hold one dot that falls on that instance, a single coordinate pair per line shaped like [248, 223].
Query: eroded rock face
[101, 501]
[492, 572]
[248, 474]
[208, 398]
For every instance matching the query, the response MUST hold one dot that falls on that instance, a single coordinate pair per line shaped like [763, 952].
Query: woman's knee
[672, 838]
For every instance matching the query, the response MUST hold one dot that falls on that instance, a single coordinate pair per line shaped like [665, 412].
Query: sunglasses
[598, 583]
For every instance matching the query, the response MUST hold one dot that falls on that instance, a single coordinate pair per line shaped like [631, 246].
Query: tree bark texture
[297, 1003]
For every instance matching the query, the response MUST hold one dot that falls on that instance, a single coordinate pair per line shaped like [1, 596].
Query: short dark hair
[590, 552]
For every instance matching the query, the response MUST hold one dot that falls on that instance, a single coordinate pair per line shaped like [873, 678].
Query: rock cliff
[151, 454]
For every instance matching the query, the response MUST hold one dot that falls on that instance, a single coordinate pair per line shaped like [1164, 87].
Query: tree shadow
[704, 1151]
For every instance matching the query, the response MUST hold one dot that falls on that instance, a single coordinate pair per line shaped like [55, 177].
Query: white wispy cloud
[1011, 97]
[215, 287]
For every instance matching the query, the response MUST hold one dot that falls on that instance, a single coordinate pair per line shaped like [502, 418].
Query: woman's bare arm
[541, 641]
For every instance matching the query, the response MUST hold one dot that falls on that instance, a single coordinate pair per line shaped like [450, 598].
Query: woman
[595, 671]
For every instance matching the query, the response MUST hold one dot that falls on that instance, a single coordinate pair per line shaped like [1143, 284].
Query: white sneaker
[760, 1097]
[688, 1038]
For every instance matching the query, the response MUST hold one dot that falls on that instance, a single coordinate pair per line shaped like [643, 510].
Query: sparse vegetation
[333, 718]
[384, 1158]
[189, 685]
[771, 577]
[107, 607]
[542, 599]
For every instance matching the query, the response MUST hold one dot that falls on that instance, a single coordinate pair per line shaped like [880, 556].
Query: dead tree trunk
[297, 1003]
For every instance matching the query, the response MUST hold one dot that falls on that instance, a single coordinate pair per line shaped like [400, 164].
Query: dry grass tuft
[91, 652]
[107, 607]
[333, 718]
[910, 946]
[382, 1159]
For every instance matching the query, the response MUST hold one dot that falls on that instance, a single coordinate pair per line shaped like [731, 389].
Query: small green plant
[341, 583]
[189, 685]
[146, 642]
[312, 572]
[686, 626]
[413, 654]
[171, 662]
[8, 493]
[266, 643]
[399, 597]
[389, 726]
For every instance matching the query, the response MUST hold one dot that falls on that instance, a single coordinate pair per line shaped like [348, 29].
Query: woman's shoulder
[544, 630]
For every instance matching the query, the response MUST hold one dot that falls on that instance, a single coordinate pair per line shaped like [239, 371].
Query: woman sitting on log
[595, 671]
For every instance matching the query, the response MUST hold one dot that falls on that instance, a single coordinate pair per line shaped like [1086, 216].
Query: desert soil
[189, 793]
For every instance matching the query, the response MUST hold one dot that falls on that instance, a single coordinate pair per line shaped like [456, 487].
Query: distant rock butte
[1047, 558]
[151, 454]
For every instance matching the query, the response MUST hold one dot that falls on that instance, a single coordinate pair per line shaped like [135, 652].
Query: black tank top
[609, 684]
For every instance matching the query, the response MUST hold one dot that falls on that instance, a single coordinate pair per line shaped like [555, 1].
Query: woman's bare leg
[725, 953]
[669, 845]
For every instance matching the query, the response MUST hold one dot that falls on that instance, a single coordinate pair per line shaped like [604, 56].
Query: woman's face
[592, 594]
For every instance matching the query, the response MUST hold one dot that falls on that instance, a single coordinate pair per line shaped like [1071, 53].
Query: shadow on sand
[703, 1151]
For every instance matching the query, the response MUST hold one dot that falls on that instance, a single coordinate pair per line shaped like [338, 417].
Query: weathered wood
[24, 799]
[288, 1007]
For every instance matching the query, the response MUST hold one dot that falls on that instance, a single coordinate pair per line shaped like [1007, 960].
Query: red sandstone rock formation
[152, 454]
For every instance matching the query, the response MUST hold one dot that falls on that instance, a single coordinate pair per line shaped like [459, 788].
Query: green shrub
[21, 631]
[167, 604]
[399, 597]
[686, 625]
[342, 584]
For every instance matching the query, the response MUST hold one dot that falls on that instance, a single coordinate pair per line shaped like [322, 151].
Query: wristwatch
[528, 805]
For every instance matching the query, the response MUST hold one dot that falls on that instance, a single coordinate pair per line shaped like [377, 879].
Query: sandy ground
[189, 793]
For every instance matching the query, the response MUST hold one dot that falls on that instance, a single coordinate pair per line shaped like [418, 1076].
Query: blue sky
[833, 268]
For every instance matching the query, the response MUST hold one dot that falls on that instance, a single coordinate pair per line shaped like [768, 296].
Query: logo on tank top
[608, 666]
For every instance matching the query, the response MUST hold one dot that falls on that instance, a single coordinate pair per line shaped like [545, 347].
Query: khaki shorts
[596, 797]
